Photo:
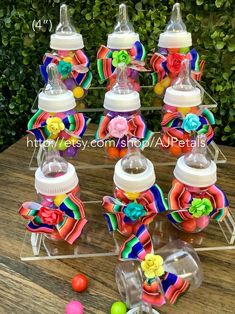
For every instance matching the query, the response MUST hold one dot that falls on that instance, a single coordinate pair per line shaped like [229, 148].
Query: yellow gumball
[166, 82]
[132, 196]
[158, 89]
[184, 110]
[81, 105]
[78, 92]
[73, 140]
[68, 59]
[59, 199]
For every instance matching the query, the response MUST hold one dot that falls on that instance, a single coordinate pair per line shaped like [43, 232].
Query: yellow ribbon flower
[152, 266]
[55, 125]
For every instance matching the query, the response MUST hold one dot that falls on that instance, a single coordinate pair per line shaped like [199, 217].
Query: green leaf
[220, 45]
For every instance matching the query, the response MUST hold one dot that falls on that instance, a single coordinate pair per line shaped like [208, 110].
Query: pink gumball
[202, 222]
[74, 307]
[170, 108]
[60, 115]
[64, 135]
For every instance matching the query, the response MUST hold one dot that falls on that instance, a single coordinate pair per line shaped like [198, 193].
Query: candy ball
[71, 151]
[79, 283]
[170, 108]
[68, 59]
[189, 225]
[78, 92]
[118, 308]
[203, 222]
[175, 150]
[158, 89]
[113, 152]
[173, 50]
[123, 152]
[184, 110]
[61, 145]
[59, 199]
[69, 83]
[184, 50]
[74, 307]
[64, 135]
[166, 82]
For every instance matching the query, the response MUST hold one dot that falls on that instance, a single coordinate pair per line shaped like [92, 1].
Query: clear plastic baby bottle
[69, 56]
[174, 45]
[183, 117]
[58, 212]
[122, 119]
[194, 199]
[57, 117]
[178, 258]
[122, 46]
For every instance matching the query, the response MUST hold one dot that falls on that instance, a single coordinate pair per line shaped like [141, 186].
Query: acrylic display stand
[95, 239]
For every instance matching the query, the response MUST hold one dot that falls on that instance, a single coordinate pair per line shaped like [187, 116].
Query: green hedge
[22, 49]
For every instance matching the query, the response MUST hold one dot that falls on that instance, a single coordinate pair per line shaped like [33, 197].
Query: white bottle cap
[123, 36]
[134, 172]
[56, 97]
[66, 37]
[196, 168]
[175, 34]
[56, 185]
[183, 93]
[122, 97]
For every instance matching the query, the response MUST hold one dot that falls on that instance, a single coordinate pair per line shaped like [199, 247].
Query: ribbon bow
[163, 66]
[73, 65]
[134, 58]
[68, 219]
[41, 125]
[186, 205]
[120, 127]
[159, 286]
[176, 125]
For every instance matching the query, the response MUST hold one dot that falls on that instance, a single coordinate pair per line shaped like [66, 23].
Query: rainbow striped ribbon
[180, 198]
[69, 227]
[158, 63]
[136, 128]
[75, 125]
[81, 78]
[104, 59]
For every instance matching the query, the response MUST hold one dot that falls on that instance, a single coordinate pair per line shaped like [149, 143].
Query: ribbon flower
[159, 286]
[68, 219]
[71, 65]
[186, 205]
[120, 127]
[107, 60]
[170, 65]
[43, 126]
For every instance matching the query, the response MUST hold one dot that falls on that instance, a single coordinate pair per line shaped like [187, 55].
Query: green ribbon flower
[64, 68]
[119, 57]
[134, 211]
[200, 207]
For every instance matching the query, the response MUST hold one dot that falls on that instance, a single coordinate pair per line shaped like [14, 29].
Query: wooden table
[43, 287]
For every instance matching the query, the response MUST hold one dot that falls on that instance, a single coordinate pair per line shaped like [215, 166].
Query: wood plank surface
[43, 287]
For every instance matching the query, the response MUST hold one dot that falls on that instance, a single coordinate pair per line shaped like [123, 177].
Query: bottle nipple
[122, 84]
[198, 158]
[176, 23]
[52, 164]
[54, 85]
[123, 24]
[184, 81]
[134, 162]
[64, 27]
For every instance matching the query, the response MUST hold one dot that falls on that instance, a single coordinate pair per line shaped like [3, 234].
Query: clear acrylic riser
[93, 157]
[95, 239]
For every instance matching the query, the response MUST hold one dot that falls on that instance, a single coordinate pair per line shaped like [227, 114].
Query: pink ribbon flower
[118, 127]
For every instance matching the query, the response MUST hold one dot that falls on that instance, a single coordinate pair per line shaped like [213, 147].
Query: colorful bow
[170, 65]
[132, 127]
[108, 59]
[159, 286]
[176, 125]
[43, 125]
[186, 205]
[70, 64]
[68, 219]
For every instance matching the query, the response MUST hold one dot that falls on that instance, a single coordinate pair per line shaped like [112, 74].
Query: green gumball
[118, 308]
[184, 50]
[61, 145]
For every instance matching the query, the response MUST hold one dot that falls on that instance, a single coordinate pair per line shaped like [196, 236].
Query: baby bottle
[136, 198]
[194, 198]
[183, 117]
[69, 56]
[123, 45]
[56, 117]
[174, 46]
[160, 278]
[122, 119]
[59, 212]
